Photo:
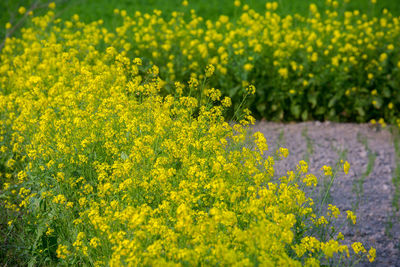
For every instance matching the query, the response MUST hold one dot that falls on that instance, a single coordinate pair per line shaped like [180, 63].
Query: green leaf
[312, 99]
[124, 156]
[393, 83]
[320, 111]
[281, 114]
[379, 102]
[295, 109]
[233, 91]
[332, 113]
[386, 92]
[360, 111]
[332, 102]
[261, 107]
[32, 261]
[304, 115]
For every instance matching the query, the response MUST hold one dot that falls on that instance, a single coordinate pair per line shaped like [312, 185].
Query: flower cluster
[333, 64]
[103, 168]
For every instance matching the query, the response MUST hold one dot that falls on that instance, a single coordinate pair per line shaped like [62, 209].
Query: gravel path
[368, 187]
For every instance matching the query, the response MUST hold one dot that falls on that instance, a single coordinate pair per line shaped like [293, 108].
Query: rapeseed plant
[333, 64]
[104, 168]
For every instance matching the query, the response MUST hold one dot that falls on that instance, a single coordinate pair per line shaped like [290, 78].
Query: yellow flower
[251, 89]
[21, 10]
[333, 211]
[226, 102]
[62, 251]
[371, 254]
[248, 67]
[351, 216]
[383, 57]
[260, 141]
[322, 220]
[283, 152]
[52, 5]
[382, 122]
[94, 242]
[327, 170]
[210, 70]
[314, 57]
[49, 231]
[346, 167]
[340, 236]
[358, 247]
[302, 166]
[310, 180]
[283, 72]
[313, 8]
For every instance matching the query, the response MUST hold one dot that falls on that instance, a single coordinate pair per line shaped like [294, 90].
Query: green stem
[240, 105]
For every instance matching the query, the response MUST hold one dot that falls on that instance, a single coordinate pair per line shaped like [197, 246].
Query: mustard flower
[372, 254]
[210, 70]
[351, 216]
[346, 167]
[358, 247]
[327, 170]
[21, 10]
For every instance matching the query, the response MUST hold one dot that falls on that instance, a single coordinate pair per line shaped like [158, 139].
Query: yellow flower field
[331, 65]
[109, 160]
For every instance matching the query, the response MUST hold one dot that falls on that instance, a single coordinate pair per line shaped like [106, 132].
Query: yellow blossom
[351, 216]
[21, 10]
[372, 254]
[210, 70]
[346, 167]
[327, 170]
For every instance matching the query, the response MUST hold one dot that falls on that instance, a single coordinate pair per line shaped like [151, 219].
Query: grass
[396, 184]
[327, 181]
[92, 10]
[396, 177]
[309, 142]
[358, 186]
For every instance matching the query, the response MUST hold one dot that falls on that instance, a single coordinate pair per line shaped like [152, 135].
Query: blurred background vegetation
[90, 10]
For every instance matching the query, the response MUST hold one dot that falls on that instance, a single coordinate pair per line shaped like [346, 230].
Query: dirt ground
[370, 186]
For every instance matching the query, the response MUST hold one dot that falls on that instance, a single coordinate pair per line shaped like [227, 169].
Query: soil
[368, 188]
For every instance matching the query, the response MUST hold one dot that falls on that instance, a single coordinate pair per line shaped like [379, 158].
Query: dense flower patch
[101, 168]
[332, 64]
